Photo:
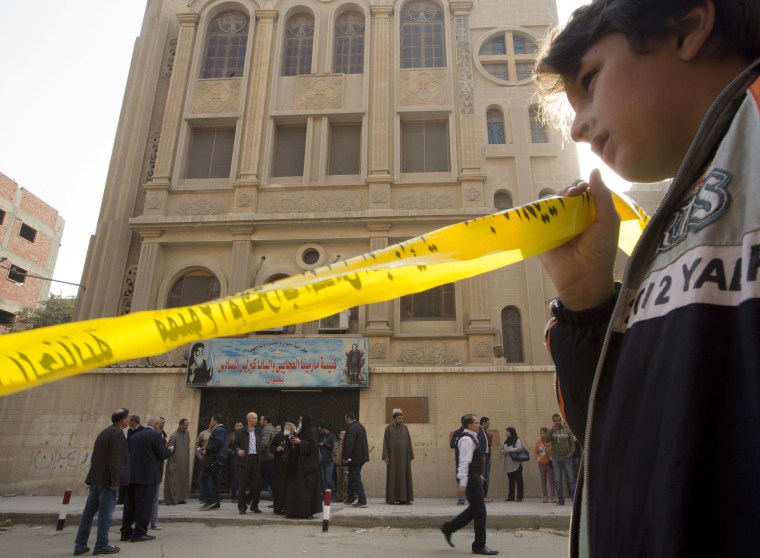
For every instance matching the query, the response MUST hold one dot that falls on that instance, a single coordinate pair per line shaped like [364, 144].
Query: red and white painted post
[326, 511]
[64, 508]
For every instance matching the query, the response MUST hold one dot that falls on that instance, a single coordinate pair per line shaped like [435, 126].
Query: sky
[59, 107]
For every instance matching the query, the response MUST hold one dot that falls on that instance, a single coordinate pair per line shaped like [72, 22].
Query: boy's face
[632, 108]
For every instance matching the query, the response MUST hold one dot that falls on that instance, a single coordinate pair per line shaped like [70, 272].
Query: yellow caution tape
[456, 252]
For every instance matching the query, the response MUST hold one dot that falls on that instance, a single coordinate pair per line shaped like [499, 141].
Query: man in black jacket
[147, 453]
[109, 469]
[355, 455]
[213, 458]
[248, 451]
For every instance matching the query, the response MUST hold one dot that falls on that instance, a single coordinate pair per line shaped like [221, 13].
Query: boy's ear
[693, 29]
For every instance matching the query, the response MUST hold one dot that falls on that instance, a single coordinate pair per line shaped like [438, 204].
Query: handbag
[521, 455]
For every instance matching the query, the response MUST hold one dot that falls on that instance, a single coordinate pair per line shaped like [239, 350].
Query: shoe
[85, 550]
[487, 500]
[518, 500]
[211, 506]
[270, 506]
[554, 500]
[256, 510]
[509, 499]
[156, 527]
[241, 512]
[546, 500]
[359, 505]
[486, 551]
[106, 550]
[125, 537]
[460, 502]
[143, 538]
[560, 502]
[447, 536]
[349, 501]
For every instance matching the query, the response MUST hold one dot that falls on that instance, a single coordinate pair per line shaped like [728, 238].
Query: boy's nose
[579, 131]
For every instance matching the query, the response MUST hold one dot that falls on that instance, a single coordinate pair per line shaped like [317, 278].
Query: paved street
[188, 540]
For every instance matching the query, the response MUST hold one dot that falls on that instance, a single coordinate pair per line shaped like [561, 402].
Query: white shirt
[252, 442]
[467, 444]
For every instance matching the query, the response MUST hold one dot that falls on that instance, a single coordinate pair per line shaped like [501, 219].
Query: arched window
[226, 41]
[495, 123]
[502, 200]
[435, 304]
[538, 132]
[194, 287]
[349, 44]
[422, 35]
[511, 328]
[299, 44]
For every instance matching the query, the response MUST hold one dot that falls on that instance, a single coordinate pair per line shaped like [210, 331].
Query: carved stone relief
[153, 202]
[176, 357]
[311, 204]
[201, 207]
[169, 64]
[426, 200]
[125, 306]
[464, 65]
[482, 349]
[319, 92]
[244, 200]
[377, 351]
[428, 353]
[379, 196]
[154, 140]
[473, 194]
[423, 87]
[216, 96]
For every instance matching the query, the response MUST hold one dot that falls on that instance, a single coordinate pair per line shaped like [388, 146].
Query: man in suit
[213, 458]
[355, 455]
[147, 453]
[134, 427]
[109, 468]
[248, 448]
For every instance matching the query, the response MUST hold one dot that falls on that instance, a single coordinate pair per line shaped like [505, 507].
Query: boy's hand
[582, 269]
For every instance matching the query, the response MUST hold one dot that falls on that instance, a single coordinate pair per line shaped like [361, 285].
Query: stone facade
[160, 221]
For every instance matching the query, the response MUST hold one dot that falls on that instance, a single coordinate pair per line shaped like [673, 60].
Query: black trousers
[475, 511]
[138, 506]
[249, 478]
[515, 477]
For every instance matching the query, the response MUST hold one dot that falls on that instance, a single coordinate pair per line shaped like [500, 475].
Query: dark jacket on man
[109, 465]
[355, 446]
[147, 453]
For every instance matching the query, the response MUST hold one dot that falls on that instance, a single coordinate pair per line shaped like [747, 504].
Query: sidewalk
[424, 512]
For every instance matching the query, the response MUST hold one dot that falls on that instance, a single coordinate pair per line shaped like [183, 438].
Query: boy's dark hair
[350, 416]
[736, 33]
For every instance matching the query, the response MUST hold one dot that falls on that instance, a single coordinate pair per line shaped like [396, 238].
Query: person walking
[109, 469]
[513, 469]
[470, 476]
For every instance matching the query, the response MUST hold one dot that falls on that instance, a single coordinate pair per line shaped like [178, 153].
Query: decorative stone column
[253, 123]
[380, 133]
[241, 259]
[157, 189]
[470, 177]
[144, 296]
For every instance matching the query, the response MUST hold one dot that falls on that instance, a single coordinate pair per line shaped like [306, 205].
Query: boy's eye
[587, 79]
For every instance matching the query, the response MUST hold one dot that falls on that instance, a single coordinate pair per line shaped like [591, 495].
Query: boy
[660, 376]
